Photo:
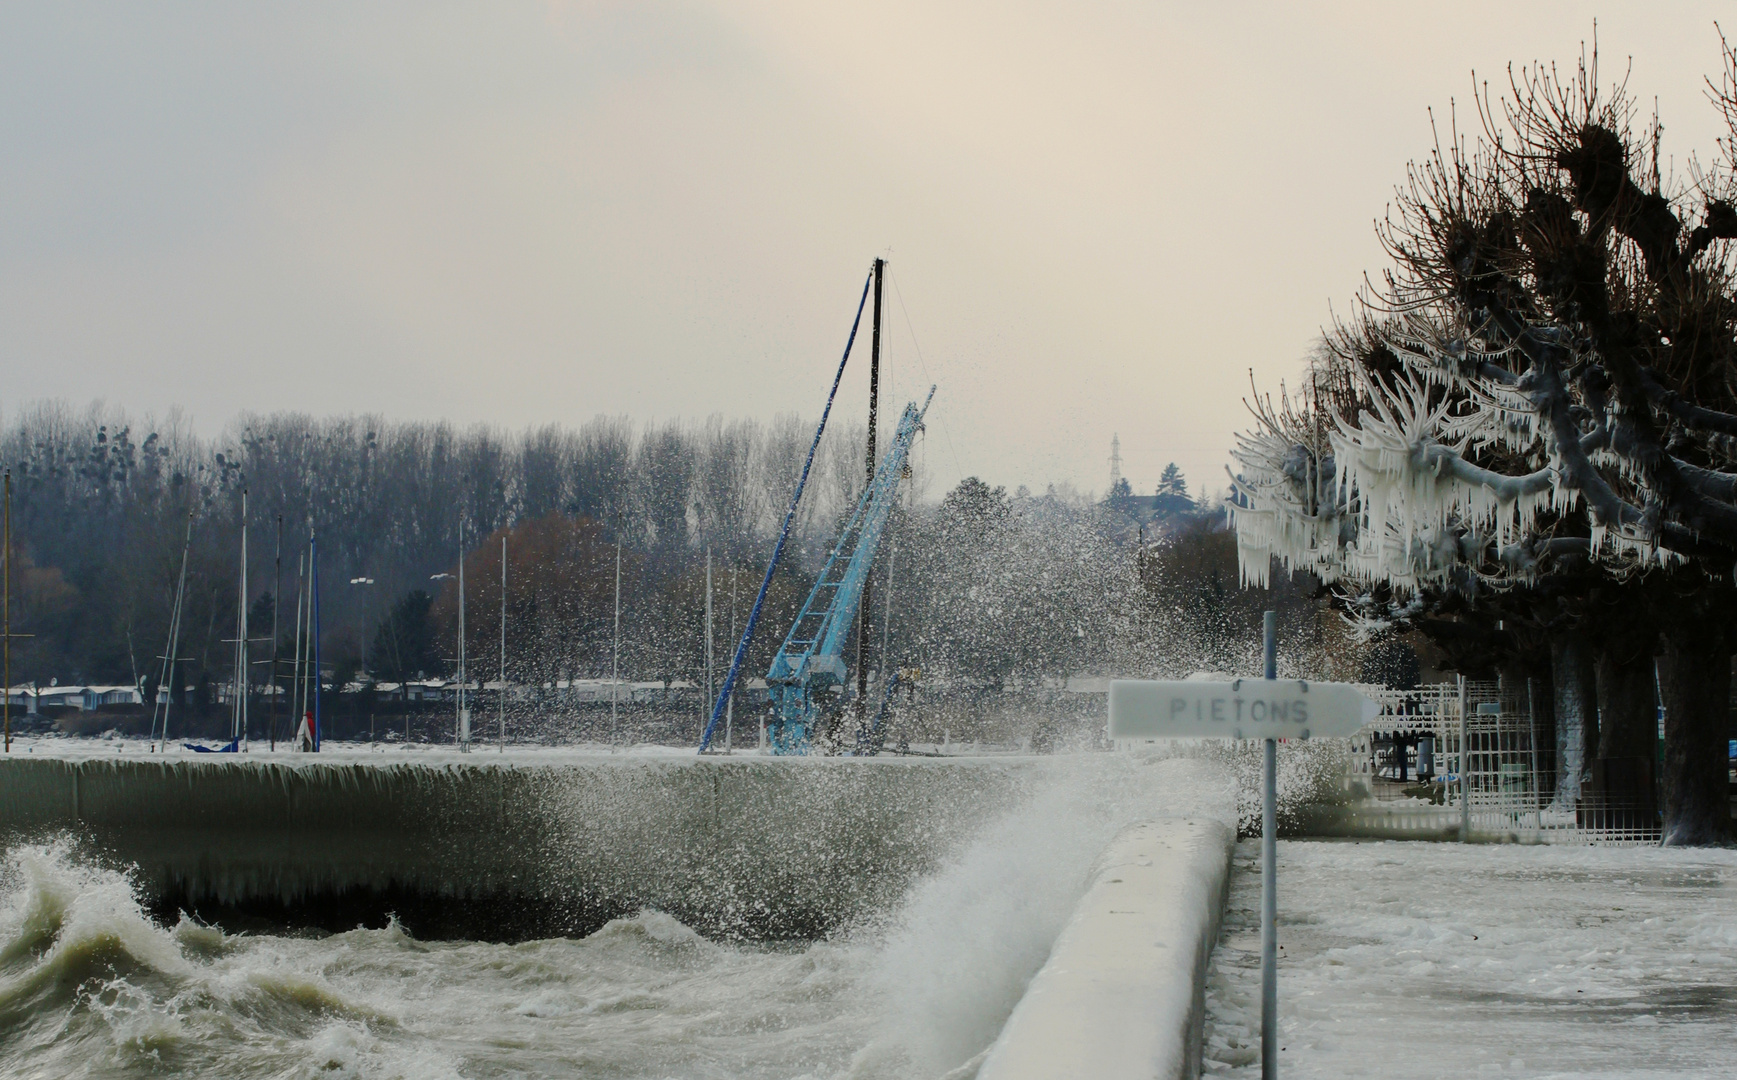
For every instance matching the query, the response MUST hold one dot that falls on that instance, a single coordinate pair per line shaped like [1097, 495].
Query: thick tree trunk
[1627, 729]
[1697, 686]
[1574, 684]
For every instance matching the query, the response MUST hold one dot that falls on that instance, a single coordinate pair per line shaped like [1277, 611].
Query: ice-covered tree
[1541, 393]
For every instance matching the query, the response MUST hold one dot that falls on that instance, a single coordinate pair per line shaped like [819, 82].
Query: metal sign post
[1270, 871]
[1268, 710]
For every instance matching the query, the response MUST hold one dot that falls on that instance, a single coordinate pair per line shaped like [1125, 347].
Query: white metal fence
[1492, 770]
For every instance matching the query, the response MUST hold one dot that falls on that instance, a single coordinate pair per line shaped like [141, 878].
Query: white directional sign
[1243, 709]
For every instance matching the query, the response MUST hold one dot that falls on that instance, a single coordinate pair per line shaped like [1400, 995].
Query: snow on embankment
[1122, 994]
[462, 846]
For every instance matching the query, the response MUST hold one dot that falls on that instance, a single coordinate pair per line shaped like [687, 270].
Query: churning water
[90, 985]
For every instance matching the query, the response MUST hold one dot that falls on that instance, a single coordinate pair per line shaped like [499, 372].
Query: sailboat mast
[503, 697]
[276, 651]
[295, 687]
[864, 620]
[730, 705]
[6, 603]
[314, 629]
[238, 711]
[615, 655]
[246, 665]
[463, 726]
[166, 686]
[708, 698]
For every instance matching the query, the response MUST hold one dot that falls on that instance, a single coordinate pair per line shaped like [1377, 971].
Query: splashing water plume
[90, 984]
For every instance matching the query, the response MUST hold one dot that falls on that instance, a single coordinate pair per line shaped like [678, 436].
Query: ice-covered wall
[1122, 996]
[509, 848]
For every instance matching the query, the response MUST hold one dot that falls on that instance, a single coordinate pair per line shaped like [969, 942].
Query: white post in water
[1269, 873]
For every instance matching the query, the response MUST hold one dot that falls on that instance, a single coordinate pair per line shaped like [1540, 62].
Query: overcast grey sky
[1099, 216]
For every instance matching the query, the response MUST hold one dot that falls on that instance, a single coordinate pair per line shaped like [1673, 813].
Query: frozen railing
[1591, 822]
[1509, 772]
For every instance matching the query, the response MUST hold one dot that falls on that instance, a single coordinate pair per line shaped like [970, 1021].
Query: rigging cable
[784, 534]
[945, 434]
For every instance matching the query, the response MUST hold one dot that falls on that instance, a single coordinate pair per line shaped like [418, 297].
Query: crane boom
[812, 657]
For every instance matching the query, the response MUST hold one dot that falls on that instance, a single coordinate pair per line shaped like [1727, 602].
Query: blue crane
[811, 660]
[805, 667]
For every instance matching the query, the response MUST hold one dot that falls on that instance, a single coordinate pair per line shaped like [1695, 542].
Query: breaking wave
[90, 984]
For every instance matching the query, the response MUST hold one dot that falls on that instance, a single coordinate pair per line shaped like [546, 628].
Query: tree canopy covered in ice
[1529, 425]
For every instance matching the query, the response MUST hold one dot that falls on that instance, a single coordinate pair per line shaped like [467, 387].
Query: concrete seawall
[1122, 996]
[519, 845]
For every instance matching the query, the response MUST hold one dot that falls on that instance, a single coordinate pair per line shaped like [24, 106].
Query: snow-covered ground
[1422, 959]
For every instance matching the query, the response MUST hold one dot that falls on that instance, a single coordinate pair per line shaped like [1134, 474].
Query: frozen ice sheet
[1425, 959]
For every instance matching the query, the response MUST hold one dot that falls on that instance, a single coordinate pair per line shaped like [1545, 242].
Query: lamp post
[433, 577]
[462, 737]
[362, 625]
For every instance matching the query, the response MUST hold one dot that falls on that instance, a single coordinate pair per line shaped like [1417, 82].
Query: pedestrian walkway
[1423, 959]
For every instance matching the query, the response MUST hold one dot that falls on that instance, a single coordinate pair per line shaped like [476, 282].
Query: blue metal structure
[811, 660]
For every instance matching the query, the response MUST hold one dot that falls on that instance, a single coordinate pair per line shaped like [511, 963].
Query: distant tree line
[102, 504]
[982, 585]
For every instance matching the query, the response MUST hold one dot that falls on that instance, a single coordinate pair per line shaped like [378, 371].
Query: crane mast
[811, 660]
